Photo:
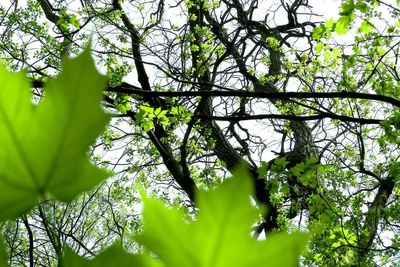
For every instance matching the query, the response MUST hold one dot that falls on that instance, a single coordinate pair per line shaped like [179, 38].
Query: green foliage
[366, 27]
[116, 69]
[349, 196]
[147, 115]
[347, 8]
[44, 146]
[348, 11]
[51, 159]
[319, 32]
[391, 127]
[306, 171]
[122, 103]
[342, 24]
[66, 20]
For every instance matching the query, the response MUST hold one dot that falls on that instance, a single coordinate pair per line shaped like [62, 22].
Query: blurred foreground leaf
[220, 236]
[114, 256]
[44, 146]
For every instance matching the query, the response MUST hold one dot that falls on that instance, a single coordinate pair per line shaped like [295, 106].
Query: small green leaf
[161, 114]
[122, 103]
[298, 169]
[285, 189]
[362, 6]
[262, 171]
[318, 32]
[347, 8]
[319, 48]
[366, 27]
[147, 125]
[342, 25]
[279, 165]
[312, 160]
[330, 24]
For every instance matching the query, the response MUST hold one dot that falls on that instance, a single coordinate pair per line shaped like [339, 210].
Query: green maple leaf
[342, 25]
[113, 256]
[44, 146]
[220, 236]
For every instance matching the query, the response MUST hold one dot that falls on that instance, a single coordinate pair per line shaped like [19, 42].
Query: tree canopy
[306, 104]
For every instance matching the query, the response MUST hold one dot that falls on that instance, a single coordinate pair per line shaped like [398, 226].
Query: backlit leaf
[220, 236]
[44, 146]
[113, 256]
